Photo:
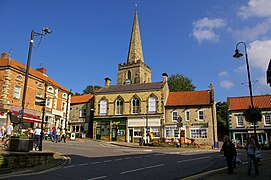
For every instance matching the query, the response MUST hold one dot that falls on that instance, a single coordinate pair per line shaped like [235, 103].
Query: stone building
[240, 129]
[191, 116]
[81, 115]
[12, 76]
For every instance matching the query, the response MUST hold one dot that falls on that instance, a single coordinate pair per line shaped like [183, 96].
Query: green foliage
[222, 118]
[178, 82]
[91, 89]
[253, 114]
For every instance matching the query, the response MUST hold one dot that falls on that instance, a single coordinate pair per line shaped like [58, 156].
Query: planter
[20, 144]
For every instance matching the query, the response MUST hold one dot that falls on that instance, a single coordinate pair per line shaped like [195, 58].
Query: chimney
[107, 81]
[4, 56]
[165, 77]
[42, 70]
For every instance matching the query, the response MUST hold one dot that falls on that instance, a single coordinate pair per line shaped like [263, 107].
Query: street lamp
[238, 55]
[45, 31]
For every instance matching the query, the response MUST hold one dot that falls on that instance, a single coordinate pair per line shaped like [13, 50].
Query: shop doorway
[114, 133]
[131, 137]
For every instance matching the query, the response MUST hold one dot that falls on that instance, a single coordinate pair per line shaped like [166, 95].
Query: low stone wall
[20, 160]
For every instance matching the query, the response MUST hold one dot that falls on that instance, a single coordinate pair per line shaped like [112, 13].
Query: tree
[222, 118]
[178, 82]
[91, 89]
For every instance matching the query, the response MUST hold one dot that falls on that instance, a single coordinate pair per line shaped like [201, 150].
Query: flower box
[20, 144]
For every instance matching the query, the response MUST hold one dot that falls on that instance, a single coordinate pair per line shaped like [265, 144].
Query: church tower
[134, 70]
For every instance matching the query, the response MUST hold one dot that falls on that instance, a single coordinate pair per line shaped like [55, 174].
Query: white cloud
[204, 29]
[259, 54]
[223, 74]
[226, 84]
[258, 8]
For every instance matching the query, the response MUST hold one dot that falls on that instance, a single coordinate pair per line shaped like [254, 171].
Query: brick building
[12, 76]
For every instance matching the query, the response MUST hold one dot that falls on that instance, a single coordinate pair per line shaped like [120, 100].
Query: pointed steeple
[135, 53]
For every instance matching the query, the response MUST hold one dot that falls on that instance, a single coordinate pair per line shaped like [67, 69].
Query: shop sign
[57, 112]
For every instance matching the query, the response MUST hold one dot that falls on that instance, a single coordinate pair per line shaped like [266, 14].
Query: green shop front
[110, 129]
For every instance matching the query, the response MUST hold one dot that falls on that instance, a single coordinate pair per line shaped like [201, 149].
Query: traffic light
[268, 74]
[40, 101]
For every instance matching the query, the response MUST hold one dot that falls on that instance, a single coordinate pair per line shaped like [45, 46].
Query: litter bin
[72, 136]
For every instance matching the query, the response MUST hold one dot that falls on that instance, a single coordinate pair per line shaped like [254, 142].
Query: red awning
[29, 117]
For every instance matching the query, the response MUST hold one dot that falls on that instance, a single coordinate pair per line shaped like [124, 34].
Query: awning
[28, 117]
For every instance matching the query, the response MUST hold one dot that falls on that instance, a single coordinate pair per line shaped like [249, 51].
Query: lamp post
[45, 31]
[238, 55]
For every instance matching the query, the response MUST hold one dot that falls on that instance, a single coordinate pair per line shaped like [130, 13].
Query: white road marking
[193, 159]
[137, 157]
[71, 166]
[85, 164]
[140, 169]
[108, 161]
[128, 158]
[98, 162]
[101, 177]
[118, 159]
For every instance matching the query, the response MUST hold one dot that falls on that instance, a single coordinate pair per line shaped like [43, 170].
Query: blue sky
[196, 38]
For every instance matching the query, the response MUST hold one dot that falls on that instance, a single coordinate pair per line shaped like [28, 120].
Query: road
[91, 160]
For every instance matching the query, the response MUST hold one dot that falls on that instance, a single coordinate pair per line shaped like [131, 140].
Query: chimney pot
[4, 56]
[165, 77]
[42, 70]
[107, 81]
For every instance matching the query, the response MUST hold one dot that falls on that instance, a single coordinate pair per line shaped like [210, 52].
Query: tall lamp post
[238, 55]
[45, 31]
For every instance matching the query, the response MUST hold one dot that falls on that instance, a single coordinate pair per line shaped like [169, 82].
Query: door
[131, 133]
[114, 133]
[98, 133]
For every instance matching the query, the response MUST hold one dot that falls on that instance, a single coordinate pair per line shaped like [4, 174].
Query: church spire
[135, 53]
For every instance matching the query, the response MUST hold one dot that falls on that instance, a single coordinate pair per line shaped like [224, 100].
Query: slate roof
[21, 67]
[81, 98]
[241, 103]
[185, 98]
[140, 87]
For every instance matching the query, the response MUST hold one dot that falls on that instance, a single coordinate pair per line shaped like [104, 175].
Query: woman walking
[229, 152]
[251, 158]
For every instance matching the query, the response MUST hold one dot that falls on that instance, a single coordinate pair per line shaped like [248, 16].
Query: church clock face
[128, 81]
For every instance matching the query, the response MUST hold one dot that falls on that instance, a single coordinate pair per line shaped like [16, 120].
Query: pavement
[239, 173]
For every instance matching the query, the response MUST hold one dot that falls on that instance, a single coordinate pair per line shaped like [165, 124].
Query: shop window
[198, 133]
[138, 132]
[155, 131]
[172, 132]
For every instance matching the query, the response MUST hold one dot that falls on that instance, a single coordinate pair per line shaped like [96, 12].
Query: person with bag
[229, 152]
[251, 158]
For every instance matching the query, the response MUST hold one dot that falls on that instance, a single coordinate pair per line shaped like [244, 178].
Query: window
[240, 121]
[103, 107]
[39, 86]
[200, 115]
[138, 132]
[174, 116]
[135, 106]
[50, 89]
[187, 115]
[49, 102]
[19, 78]
[63, 106]
[64, 95]
[172, 132]
[152, 105]
[119, 107]
[83, 112]
[267, 120]
[17, 92]
[155, 131]
[198, 133]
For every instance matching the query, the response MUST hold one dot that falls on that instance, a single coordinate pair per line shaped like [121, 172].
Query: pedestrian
[58, 135]
[63, 135]
[3, 131]
[9, 130]
[229, 152]
[37, 133]
[251, 158]
[30, 132]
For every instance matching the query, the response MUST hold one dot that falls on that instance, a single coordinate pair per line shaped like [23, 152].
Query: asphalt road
[92, 160]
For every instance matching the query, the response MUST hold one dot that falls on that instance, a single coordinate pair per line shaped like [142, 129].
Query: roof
[21, 67]
[241, 103]
[131, 88]
[81, 98]
[185, 98]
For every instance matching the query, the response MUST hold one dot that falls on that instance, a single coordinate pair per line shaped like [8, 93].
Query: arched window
[152, 105]
[19, 78]
[119, 106]
[129, 75]
[103, 107]
[135, 105]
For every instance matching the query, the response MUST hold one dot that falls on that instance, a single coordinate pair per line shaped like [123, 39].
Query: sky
[195, 38]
